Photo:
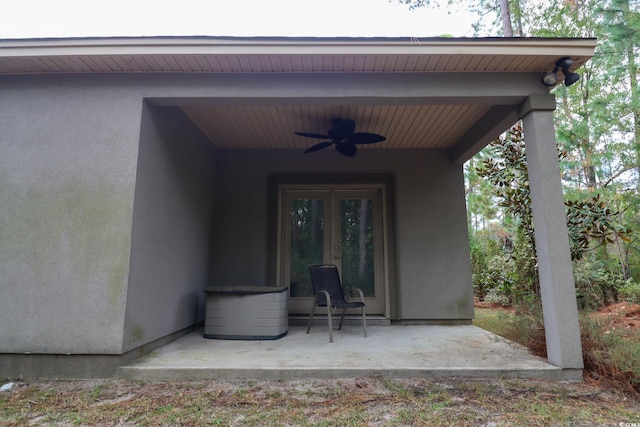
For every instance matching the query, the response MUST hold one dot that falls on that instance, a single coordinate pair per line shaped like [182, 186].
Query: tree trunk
[505, 15]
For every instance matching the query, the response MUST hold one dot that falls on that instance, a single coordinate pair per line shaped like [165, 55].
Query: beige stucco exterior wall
[69, 166]
[69, 173]
[172, 220]
[433, 269]
[68, 153]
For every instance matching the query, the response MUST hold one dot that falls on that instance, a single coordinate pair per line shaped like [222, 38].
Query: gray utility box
[246, 312]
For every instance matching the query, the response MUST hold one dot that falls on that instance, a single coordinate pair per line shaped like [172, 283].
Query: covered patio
[141, 171]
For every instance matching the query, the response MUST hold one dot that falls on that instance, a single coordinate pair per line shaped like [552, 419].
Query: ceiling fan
[343, 135]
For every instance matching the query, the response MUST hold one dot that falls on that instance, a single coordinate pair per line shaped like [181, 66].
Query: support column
[557, 287]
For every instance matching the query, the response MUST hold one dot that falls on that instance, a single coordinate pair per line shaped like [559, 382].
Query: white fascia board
[296, 46]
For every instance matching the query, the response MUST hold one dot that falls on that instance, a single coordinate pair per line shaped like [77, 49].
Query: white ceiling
[404, 126]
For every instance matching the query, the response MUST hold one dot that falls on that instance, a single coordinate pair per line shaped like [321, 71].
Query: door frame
[332, 195]
[381, 182]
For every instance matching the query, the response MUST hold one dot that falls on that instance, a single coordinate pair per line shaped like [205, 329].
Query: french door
[334, 225]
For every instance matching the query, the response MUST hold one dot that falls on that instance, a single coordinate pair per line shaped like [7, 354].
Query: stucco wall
[170, 250]
[432, 253]
[67, 170]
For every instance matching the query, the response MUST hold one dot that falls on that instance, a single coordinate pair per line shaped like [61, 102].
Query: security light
[550, 79]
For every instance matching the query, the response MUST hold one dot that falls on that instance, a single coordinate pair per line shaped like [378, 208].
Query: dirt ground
[622, 316]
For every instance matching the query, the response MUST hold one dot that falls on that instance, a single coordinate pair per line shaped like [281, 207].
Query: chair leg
[330, 323]
[341, 319]
[364, 322]
[313, 309]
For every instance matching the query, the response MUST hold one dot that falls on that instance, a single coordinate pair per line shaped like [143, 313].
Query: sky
[313, 18]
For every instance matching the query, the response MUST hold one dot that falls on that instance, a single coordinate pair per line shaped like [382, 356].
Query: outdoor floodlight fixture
[550, 79]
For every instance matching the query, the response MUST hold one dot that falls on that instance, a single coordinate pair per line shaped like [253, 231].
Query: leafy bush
[503, 266]
[629, 290]
[498, 297]
[599, 284]
[487, 256]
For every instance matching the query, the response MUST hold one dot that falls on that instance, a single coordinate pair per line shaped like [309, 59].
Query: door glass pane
[356, 217]
[307, 227]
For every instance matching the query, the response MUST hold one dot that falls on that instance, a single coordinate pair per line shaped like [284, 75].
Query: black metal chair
[329, 292]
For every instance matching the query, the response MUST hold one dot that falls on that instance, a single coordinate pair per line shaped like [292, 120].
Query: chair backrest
[325, 277]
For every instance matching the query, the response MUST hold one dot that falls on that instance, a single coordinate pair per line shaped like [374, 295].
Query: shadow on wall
[191, 308]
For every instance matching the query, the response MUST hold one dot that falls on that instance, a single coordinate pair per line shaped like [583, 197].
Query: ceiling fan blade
[346, 148]
[318, 147]
[366, 138]
[313, 135]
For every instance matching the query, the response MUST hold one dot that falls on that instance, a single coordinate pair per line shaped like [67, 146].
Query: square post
[557, 287]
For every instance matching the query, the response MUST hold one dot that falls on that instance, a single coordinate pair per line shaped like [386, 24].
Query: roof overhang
[218, 54]
[465, 90]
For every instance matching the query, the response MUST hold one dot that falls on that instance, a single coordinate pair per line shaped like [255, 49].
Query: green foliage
[497, 295]
[597, 282]
[494, 283]
[524, 262]
[503, 267]
[628, 290]
[506, 170]
[480, 203]
[591, 220]
[592, 225]
[485, 247]
[598, 133]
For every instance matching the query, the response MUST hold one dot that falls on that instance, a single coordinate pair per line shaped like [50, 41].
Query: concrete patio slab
[392, 351]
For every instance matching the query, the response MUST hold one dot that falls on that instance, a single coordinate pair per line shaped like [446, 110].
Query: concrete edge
[278, 374]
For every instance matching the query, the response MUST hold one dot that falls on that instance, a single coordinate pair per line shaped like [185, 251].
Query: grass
[523, 327]
[610, 356]
[346, 402]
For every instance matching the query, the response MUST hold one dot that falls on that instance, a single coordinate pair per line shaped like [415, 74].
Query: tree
[481, 207]
[501, 15]
[622, 26]
[597, 124]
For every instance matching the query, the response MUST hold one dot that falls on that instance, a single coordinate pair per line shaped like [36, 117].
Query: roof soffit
[117, 55]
